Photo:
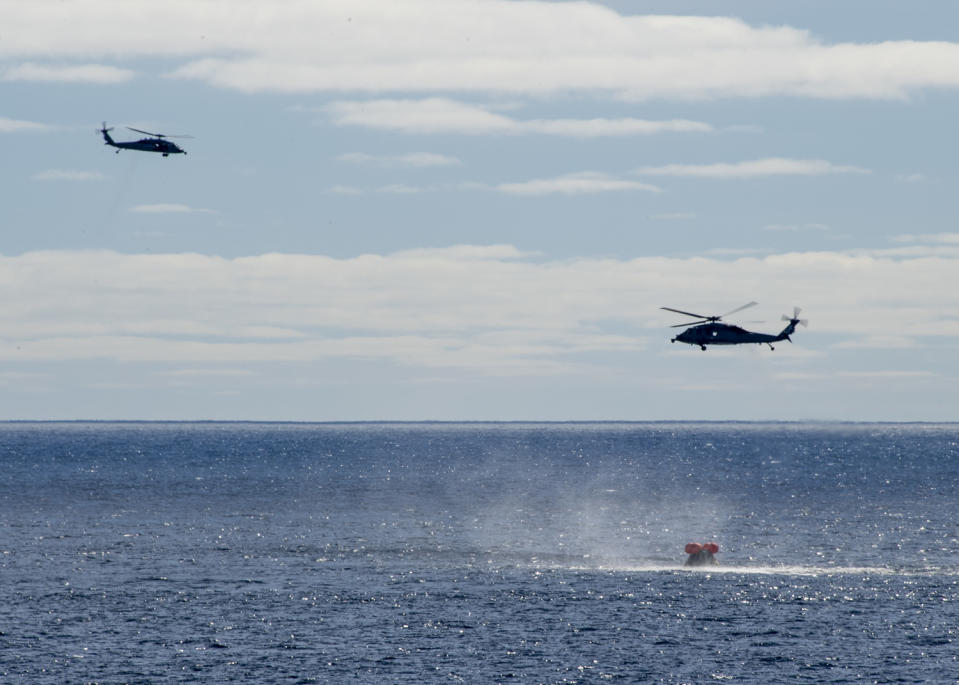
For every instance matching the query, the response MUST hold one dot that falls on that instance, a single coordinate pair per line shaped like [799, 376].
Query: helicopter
[709, 331]
[157, 142]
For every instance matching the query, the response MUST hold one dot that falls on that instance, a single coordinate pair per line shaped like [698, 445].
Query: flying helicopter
[157, 142]
[709, 331]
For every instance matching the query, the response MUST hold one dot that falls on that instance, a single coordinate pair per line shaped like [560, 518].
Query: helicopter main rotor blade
[739, 309]
[691, 323]
[157, 135]
[680, 311]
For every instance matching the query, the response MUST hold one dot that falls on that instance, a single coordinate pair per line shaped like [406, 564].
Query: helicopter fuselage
[156, 143]
[164, 147]
[726, 334]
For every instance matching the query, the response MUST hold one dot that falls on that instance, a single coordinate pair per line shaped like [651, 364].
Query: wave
[782, 570]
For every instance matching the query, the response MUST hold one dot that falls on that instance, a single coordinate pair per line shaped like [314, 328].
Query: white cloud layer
[412, 159]
[59, 73]
[21, 126]
[442, 115]
[582, 183]
[940, 238]
[67, 175]
[772, 166]
[481, 307]
[795, 228]
[168, 208]
[470, 45]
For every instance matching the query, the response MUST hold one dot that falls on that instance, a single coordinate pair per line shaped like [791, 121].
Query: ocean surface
[478, 553]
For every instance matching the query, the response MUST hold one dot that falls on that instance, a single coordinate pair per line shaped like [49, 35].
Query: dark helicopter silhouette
[708, 330]
[157, 142]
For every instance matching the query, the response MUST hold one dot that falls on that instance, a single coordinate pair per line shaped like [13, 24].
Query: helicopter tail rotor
[105, 132]
[795, 317]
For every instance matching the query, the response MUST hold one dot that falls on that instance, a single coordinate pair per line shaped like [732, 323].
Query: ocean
[478, 553]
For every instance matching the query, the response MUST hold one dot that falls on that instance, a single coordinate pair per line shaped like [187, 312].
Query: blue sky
[474, 209]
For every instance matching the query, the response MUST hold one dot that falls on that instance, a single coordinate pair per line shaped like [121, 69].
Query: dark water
[474, 553]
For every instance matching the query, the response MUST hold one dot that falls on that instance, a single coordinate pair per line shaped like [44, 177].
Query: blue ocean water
[539, 553]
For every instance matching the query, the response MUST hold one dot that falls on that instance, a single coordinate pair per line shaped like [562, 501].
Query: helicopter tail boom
[106, 134]
[791, 328]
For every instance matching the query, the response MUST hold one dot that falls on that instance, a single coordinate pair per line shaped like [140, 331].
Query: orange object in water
[694, 548]
[711, 547]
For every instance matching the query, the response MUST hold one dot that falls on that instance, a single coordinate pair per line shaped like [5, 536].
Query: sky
[475, 209]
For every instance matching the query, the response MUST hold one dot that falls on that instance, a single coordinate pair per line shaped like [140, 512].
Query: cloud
[934, 238]
[168, 208]
[432, 115]
[20, 126]
[800, 376]
[911, 178]
[442, 115]
[885, 374]
[401, 189]
[206, 372]
[910, 251]
[915, 246]
[772, 166]
[583, 183]
[413, 159]
[795, 228]
[67, 175]
[879, 342]
[473, 46]
[594, 128]
[460, 252]
[736, 251]
[673, 216]
[79, 73]
[344, 190]
[493, 308]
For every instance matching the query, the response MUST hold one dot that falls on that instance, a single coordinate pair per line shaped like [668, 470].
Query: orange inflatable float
[701, 554]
